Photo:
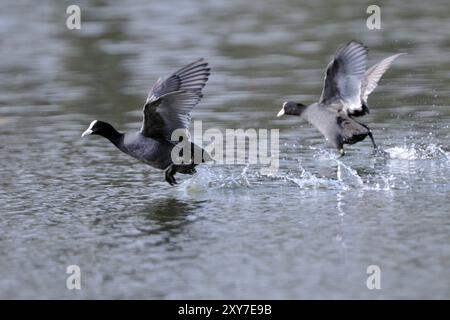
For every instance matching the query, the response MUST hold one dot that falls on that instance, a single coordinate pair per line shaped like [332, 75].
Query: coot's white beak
[280, 113]
[282, 110]
[87, 132]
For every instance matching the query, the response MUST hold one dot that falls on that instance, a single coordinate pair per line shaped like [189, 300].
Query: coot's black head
[291, 108]
[106, 130]
[100, 128]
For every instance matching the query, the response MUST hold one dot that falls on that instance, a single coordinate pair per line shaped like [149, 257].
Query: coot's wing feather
[344, 75]
[350, 130]
[374, 74]
[170, 101]
[168, 113]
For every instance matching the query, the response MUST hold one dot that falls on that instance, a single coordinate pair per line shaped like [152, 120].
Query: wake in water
[346, 177]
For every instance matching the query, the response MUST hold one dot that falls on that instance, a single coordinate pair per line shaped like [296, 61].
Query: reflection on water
[168, 216]
[308, 231]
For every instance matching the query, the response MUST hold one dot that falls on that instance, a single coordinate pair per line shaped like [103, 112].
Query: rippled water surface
[308, 231]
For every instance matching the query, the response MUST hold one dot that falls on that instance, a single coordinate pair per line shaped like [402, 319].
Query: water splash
[324, 154]
[344, 178]
[348, 176]
[306, 180]
[214, 177]
[388, 181]
[418, 152]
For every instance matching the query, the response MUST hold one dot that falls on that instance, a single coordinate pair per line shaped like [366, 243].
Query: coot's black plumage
[347, 86]
[168, 107]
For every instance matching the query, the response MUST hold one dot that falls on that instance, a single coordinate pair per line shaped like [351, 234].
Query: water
[308, 231]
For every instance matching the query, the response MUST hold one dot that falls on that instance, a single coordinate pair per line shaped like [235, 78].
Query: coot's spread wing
[374, 74]
[344, 75]
[170, 101]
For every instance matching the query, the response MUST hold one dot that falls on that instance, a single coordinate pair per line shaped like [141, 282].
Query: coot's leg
[370, 135]
[338, 143]
[170, 173]
[373, 141]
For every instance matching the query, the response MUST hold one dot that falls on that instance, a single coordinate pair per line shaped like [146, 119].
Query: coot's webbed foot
[170, 174]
